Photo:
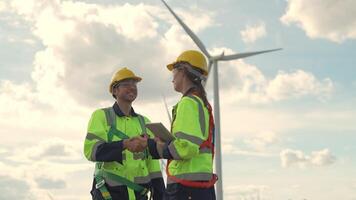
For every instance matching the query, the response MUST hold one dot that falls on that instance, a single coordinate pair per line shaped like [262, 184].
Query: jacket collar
[119, 113]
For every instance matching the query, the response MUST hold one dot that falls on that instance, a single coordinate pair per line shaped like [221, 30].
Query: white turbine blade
[243, 55]
[192, 35]
[209, 69]
[167, 110]
[163, 166]
[163, 162]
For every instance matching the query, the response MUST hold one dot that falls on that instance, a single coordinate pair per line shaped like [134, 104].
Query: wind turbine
[213, 63]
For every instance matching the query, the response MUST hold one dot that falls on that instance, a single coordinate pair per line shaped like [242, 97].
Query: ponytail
[198, 88]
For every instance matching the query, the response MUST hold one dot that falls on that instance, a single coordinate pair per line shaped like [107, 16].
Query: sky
[287, 118]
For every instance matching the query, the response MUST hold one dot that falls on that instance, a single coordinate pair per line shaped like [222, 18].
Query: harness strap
[210, 142]
[113, 131]
[100, 183]
[100, 174]
[144, 132]
[136, 187]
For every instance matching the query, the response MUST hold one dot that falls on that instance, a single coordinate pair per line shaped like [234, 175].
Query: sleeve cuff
[152, 147]
[166, 153]
[108, 152]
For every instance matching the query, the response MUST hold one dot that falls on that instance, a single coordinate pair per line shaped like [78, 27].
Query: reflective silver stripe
[154, 175]
[123, 156]
[192, 177]
[196, 140]
[205, 150]
[142, 179]
[142, 124]
[172, 149]
[112, 182]
[138, 180]
[201, 114]
[94, 149]
[92, 136]
[160, 150]
[109, 116]
[147, 179]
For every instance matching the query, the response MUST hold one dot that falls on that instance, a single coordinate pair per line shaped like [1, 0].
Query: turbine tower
[213, 63]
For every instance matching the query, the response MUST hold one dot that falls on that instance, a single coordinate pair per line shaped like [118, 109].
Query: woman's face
[178, 79]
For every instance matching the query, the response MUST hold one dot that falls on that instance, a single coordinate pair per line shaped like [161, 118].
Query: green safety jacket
[106, 149]
[190, 127]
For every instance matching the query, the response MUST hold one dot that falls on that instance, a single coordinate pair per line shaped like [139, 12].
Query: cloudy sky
[288, 117]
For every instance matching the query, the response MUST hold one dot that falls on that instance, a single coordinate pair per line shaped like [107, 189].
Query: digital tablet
[160, 131]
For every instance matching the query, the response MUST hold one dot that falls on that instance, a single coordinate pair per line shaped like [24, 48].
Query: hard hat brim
[137, 78]
[171, 66]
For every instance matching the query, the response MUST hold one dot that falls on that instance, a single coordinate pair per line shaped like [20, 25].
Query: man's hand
[135, 144]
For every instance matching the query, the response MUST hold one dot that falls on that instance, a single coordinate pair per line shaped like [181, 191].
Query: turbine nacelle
[218, 57]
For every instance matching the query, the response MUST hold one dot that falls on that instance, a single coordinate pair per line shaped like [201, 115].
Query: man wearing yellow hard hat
[115, 141]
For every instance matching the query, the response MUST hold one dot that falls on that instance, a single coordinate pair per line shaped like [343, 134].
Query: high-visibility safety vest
[136, 168]
[193, 147]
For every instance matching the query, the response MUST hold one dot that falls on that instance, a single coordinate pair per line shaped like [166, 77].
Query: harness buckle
[100, 184]
[144, 191]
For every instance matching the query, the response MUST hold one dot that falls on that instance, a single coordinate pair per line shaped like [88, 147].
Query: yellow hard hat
[194, 58]
[123, 74]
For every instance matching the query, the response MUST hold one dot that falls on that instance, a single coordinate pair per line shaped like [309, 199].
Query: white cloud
[243, 82]
[83, 30]
[175, 41]
[15, 184]
[82, 38]
[12, 188]
[322, 158]
[260, 141]
[50, 183]
[54, 158]
[252, 86]
[290, 158]
[33, 119]
[253, 33]
[2, 150]
[332, 20]
[354, 84]
[55, 149]
[49, 173]
[28, 41]
[245, 192]
[353, 186]
[196, 18]
[3, 6]
[243, 124]
[229, 147]
[297, 84]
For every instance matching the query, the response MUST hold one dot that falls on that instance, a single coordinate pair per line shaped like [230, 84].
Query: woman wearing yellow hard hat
[190, 155]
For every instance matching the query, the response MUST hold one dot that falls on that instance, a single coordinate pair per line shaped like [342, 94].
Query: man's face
[126, 90]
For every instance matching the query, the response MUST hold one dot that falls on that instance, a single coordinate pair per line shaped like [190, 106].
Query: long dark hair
[198, 88]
